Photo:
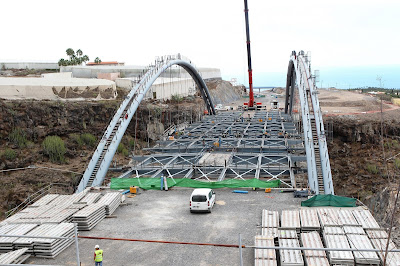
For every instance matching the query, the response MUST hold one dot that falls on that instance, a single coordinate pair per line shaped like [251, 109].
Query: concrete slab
[215, 159]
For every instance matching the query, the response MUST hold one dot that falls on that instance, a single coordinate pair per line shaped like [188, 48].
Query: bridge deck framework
[231, 145]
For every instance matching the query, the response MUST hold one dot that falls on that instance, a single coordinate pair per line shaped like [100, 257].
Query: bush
[121, 146]
[131, 144]
[18, 137]
[373, 169]
[397, 163]
[84, 139]
[122, 150]
[176, 98]
[125, 152]
[77, 139]
[88, 139]
[10, 154]
[54, 147]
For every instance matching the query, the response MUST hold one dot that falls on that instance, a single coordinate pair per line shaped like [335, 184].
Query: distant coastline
[340, 78]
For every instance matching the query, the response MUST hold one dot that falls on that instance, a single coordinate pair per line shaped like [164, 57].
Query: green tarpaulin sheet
[329, 200]
[155, 183]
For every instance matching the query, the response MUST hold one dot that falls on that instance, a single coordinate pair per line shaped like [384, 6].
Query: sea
[387, 77]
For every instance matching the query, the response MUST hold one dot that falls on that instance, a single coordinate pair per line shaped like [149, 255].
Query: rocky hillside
[26, 124]
[366, 166]
[223, 92]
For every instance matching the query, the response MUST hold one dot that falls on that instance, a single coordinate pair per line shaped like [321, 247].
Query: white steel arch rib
[299, 77]
[101, 159]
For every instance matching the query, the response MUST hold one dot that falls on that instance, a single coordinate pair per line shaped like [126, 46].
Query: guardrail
[32, 198]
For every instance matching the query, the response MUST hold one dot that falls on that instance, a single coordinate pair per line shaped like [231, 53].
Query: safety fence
[155, 183]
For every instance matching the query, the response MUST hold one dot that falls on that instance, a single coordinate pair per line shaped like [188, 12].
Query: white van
[202, 199]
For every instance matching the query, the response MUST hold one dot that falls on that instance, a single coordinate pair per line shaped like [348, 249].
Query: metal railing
[32, 198]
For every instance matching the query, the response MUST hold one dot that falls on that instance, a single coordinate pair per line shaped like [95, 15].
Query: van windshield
[199, 198]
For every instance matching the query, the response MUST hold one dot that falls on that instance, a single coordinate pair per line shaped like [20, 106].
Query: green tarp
[329, 200]
[155, 183]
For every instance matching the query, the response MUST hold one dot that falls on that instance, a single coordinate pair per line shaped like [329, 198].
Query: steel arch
[102, 157]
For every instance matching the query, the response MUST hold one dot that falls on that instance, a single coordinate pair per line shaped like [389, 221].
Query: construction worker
[98, 256]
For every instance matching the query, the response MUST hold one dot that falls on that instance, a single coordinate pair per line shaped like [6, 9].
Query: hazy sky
[210, 32]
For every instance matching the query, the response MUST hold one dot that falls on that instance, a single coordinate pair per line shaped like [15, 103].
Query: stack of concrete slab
[333, 230]
[290, 257]
[362, 242]
[309, 220]
[46, 199]
[63, 216]
[355, 230]
[111, 202]
[90, 198]
[379, 239]
[377, 234]
[264, 256]
[50, 248]
[41, 230]
[328, 217]
[5, 228]
[287, 234]
[365, 219]
[14, 257]
[54, 208]
[338, 241]
[313, 257]
[290, 220]
[346, 218]
[68, 199]
[6, 243]
[270, 223]
[90, 216]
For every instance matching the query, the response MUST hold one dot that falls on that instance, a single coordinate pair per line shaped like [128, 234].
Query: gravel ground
[161, 215]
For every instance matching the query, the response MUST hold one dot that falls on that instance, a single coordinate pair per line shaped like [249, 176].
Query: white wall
[29, 65]
[135, 71]
[64, 75]
[164, 88]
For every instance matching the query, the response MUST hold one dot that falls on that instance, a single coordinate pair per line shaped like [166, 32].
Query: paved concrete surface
[162, 215]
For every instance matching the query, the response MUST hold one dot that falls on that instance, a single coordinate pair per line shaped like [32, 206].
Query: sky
[342, 36]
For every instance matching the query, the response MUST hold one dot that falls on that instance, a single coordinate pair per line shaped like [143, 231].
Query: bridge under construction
[271, 144]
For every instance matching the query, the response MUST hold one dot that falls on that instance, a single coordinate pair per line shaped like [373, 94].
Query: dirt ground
[341, 102]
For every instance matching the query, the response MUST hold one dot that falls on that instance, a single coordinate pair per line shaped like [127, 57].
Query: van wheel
[191, 211]
[209, 210]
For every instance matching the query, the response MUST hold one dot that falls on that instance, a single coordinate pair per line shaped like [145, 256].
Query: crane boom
[250, 70]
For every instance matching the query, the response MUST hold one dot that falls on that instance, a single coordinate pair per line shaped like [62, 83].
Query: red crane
[250, 104]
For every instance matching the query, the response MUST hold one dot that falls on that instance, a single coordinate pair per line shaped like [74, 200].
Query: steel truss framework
[228, 145]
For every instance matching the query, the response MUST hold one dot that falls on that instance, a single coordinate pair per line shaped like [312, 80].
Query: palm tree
[70, 52]
[79, 52]
[85, 58]
[61, 62]
[97, 60]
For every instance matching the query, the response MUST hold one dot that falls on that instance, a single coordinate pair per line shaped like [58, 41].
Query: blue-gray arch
[102, 157]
